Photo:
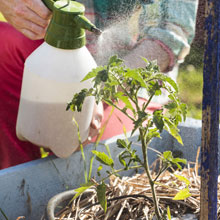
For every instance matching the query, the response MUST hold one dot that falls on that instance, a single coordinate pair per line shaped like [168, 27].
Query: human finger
[96, 122]
[28, 14]
[39, 8]
[32, 34]
[97, 116]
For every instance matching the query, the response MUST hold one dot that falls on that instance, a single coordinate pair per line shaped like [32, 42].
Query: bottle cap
[67, 27]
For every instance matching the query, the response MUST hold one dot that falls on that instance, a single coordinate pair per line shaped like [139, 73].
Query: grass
[190, 81]
[190, 84]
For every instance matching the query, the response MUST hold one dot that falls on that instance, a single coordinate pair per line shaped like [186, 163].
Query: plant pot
[61, 198]
[62, 206]
[61, 201]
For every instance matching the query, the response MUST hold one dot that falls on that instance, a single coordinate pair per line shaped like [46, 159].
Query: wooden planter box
[25, 189]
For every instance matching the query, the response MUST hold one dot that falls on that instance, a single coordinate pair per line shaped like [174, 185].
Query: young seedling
[115, 82]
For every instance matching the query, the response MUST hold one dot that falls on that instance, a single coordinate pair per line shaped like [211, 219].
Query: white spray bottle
[52, 74]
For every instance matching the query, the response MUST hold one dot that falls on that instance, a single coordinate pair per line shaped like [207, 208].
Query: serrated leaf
[173, 130]
[103, 75]
[93, 73]
[82, 189]
[124, 99]
[158, 119]
[183, 179]
[182, 194]
[115, 60]
[171, 105]
[77, 101]
[103, 158]
[183, 108]
[121, 143]
[171, 82]
[136, 76]
[168, 155]
[101, 189]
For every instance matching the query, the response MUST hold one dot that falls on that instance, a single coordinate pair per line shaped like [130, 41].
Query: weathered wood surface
[210, 118]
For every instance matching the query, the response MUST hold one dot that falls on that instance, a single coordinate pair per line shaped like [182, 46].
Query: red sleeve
[14, 49]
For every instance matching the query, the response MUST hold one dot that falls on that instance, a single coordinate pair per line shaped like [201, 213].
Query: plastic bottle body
[51, 77]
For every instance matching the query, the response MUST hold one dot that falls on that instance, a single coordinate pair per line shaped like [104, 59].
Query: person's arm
[167, 28]
[31, 17]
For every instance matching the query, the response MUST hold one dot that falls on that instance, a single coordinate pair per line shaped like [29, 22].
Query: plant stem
[147, 169]
[115, 106]
[124, 89]
[148, 102]
[163, 169]
[1, 211]
[120, 170]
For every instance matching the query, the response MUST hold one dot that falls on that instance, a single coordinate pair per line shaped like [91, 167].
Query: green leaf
[171, 82]
[77, 101]
[183, 108]
[93, 73]
[145, 60]
[180, 160]
[168, 155]
[171, 106]
[182, 194]
[153, 133]
[122, 161]
[135, 75]
[4, 215]
[121, 143]
[99, 169]
[103, 75]
[90, 166]
[101, 190]
[173, 130]
[183, 179]
[108, 150]
[82, 189]
[158, 119]
[114, 60]
[103, 158]
[168, 213]
[125, 99]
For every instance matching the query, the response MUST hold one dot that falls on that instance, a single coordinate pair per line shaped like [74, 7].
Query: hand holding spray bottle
[52, 74]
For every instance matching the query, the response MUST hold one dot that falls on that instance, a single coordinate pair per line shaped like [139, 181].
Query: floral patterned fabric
[172, 22]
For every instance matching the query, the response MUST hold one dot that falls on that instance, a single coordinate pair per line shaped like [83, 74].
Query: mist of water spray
[114, 40]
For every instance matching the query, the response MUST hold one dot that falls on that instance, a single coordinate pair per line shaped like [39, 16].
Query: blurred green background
[190, 79]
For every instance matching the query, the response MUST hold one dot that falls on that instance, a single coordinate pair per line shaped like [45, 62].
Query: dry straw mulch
[130, 197]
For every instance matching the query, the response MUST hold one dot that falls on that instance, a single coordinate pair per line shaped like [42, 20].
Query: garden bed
[26, 188]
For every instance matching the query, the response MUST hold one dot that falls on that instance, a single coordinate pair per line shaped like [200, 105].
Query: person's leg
[14, 49]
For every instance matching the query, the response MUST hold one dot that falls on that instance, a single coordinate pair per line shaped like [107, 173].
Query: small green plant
[4, 215]
[115, 82]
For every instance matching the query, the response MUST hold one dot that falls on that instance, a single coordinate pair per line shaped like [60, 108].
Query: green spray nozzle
[68, 24]
[85, 23]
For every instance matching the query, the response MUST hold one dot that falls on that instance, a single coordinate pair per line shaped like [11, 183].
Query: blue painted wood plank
[210, 117]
